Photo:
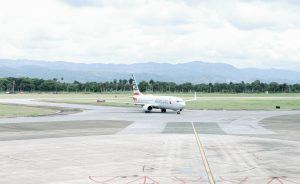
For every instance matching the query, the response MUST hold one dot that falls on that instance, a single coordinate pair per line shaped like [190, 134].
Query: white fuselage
[159, 102]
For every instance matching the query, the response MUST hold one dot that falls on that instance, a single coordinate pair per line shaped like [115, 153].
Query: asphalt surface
[125, 145]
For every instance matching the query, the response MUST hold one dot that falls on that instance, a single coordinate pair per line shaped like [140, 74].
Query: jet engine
[147, 108]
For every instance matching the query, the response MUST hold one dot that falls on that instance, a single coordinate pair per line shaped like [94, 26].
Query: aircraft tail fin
[135, 86]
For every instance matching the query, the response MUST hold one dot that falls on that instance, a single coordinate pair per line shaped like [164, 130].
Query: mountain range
[195, 72]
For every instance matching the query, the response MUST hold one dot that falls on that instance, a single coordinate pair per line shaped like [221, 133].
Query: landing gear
[163, 110]
[147, 109]
[178, 112]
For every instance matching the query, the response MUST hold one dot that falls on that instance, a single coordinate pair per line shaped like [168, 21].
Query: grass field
[20, 110]
[205, 100]
[245, 104]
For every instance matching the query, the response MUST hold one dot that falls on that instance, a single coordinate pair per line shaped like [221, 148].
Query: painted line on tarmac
[203, 157]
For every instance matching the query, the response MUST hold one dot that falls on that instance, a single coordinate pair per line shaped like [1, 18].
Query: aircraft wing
[194, 99]
[110, 101]
[122, 102]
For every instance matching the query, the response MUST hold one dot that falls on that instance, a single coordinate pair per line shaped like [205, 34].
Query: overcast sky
[242, 33]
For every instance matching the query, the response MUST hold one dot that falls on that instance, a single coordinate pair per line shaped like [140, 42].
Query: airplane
[150, 102]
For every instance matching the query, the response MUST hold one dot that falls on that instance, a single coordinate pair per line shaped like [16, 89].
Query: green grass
[20, 110]
[245, 104]
[205, 100]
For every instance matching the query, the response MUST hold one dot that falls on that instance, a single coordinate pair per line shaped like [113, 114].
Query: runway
[125, 145]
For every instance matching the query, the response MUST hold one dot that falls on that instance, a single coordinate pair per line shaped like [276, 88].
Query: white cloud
[243, 33]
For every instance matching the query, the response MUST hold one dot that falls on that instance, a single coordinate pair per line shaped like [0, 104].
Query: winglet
[194, 99]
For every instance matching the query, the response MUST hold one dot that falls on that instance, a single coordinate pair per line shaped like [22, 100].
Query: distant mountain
[195, 72]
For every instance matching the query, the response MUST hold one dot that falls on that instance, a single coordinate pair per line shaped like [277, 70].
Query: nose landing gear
[163, 110]
[178, 112]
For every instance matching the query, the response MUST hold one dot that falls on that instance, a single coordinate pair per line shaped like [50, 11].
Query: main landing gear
[165, 110]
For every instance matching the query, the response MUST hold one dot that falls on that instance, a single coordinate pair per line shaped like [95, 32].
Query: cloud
[82, 3]
[243, 33]
[260, 15]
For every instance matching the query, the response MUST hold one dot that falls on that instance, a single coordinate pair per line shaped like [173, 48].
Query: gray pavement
[232, 122]
[124, 145]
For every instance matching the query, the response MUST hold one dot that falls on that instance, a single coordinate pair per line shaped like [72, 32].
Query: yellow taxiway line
[203, 157]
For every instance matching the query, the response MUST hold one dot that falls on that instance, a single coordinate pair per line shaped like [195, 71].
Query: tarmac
[125, 145]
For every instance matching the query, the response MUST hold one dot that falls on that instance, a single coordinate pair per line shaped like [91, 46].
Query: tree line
[12, 84]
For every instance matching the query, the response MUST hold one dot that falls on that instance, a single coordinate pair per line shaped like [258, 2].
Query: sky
[245, 33]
